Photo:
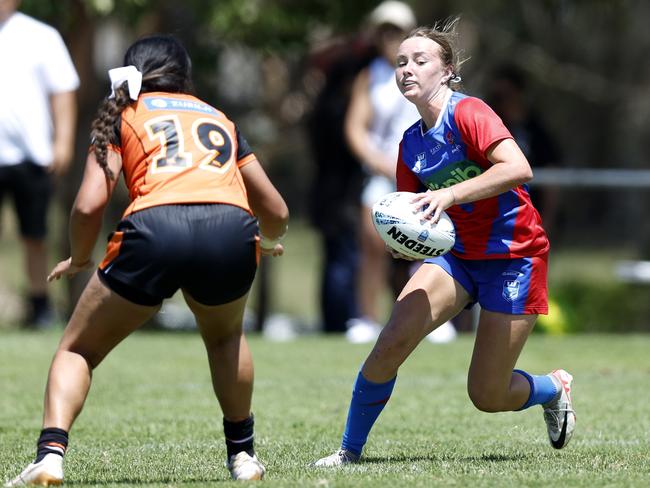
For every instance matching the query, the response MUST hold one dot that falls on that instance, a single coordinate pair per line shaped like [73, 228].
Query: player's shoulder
[464, 102]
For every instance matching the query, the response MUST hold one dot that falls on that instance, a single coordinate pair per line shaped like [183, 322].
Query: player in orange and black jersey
[202, 209]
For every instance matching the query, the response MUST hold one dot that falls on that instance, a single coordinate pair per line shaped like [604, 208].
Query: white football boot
[339, 458]
[47, 472]
[559, 415]
[244, 467]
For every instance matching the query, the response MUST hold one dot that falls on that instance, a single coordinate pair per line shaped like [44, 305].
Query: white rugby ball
[404, 230]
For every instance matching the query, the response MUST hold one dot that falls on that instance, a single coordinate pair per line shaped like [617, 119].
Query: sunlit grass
[151, 417]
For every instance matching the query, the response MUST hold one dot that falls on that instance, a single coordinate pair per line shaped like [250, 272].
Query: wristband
[266, 243]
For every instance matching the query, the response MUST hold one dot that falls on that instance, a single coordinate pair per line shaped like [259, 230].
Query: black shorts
[209, 251]
[30, 186]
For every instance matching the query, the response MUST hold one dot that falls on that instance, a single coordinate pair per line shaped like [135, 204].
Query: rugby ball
[401, 226]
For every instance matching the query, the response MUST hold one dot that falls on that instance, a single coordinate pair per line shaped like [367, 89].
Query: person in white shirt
[38, 114]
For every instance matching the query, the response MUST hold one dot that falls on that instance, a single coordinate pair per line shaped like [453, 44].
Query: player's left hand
[435, 201]
[66, 268]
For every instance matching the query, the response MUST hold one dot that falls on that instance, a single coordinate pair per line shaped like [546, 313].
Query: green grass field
[151, 417]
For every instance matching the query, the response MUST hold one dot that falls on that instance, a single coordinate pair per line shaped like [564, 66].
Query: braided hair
[165, 67]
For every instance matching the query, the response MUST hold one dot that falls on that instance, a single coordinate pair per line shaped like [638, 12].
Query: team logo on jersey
[420, 163]
[449, 137]
[510, 290]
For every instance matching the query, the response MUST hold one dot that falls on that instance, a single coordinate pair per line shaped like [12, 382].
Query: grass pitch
[151, 417]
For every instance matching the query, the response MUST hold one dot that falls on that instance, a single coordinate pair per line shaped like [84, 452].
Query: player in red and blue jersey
[454, 150]
[461, 159]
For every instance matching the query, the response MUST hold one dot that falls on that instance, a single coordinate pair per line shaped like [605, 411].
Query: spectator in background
[334, 196]
[375, 121]
[37, 125]
[507, 94]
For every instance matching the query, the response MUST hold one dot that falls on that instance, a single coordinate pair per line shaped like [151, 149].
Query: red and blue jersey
[502, 227]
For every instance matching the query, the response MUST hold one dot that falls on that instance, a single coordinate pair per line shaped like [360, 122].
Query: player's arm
[64, 120]
[483, 130]
[87, 214]
[358, 120]
[509, 169]
[268, 206]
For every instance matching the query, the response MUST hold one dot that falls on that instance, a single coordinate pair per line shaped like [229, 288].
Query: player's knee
[484, 398]
[74, 354]
[218, 339]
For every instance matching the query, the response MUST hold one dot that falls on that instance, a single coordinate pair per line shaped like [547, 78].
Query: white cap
[393, 12]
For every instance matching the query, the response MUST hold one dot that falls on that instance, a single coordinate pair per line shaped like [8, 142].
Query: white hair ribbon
[131, 75]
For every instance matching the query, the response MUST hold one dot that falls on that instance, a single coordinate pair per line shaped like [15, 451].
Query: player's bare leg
[492, 385]
[99, 322]
[231, 367]
[231, 364]
[429, 299]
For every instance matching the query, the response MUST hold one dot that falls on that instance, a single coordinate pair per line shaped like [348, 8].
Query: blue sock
[542, 389]
[368, 400]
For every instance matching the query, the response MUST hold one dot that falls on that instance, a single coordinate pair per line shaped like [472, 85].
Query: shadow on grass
[491, 458]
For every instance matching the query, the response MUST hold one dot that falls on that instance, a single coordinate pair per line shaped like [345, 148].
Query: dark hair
[165, 66]
[444, 34]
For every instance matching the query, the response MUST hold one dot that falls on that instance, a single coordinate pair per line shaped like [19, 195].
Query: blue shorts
[512, 286]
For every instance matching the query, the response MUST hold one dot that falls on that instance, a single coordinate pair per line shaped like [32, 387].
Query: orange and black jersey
[177, 149]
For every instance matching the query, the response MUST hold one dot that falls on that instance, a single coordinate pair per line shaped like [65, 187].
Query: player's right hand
[66, 268]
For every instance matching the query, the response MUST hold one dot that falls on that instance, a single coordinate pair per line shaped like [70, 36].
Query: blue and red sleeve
[406, 179]
[479, 125]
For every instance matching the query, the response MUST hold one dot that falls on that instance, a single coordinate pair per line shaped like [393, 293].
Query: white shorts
[375, 187]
